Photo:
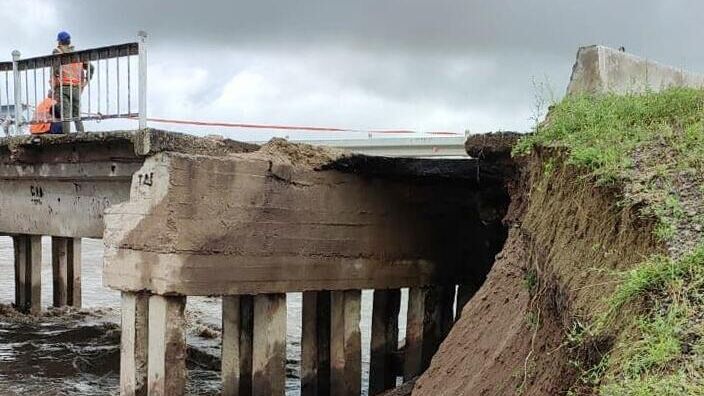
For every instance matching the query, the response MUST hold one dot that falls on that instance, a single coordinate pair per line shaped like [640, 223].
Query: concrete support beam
[315, 344]
[337, 233]
[345, 343]
[28, 273]
[72, 207]
[61, 186]
[134, 344]
[167, 346]
[269, 347]
[384, 342]
[237, 338]
[66, 271]
[429, 320]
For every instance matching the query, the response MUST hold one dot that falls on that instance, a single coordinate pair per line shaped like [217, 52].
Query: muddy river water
[66, 352]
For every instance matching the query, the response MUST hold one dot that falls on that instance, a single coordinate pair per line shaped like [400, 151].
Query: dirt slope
[510, 338]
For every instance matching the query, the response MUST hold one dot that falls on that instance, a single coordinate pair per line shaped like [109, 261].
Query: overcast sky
[364, 64]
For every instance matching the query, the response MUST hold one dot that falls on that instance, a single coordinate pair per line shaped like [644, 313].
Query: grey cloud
[551, 26]
[449, 55]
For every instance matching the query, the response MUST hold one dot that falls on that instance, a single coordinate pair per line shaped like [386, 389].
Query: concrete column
[269, 347]
[413, 356]
[59, 268]
[230, 361]
[28, 273]
[20, 245]
[74, 261]
[66, 271]
[345, 343]
[428, 321]
[237, 337]
[167, 346]
[134, 344]
[384, 342]
[315, 344]
[246, 344]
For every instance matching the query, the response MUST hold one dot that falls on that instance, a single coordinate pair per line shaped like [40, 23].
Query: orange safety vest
[42, 113]
[71, 75]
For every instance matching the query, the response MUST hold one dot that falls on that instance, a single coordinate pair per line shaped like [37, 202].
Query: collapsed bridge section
[293, 218]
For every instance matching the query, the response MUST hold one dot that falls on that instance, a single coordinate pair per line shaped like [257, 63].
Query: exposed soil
[567, 237]
[686, 218]
[491, 145]
[297, 154]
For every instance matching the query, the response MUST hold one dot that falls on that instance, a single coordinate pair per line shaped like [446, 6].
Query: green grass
[654, 275]
[668, 385]
[601, 132]
[662, 350]
[645, 144]
[530, 280]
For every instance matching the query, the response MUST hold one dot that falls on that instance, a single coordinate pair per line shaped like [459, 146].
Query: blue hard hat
[63, 37]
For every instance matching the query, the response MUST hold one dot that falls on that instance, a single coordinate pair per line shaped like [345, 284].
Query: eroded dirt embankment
[566, 239]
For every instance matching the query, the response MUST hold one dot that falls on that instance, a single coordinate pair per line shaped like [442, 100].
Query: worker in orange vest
[43, 115]
[68, 82]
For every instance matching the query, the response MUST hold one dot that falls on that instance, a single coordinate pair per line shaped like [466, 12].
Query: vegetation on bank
[662, 350]
[652, 147]
[603, 132]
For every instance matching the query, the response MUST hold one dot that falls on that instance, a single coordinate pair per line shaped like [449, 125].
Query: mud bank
[567, 236]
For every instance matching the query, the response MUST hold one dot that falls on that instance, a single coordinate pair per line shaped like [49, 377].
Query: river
[68, 352]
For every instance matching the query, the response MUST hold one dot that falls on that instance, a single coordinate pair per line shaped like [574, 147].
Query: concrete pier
[269, 346]
[28, 273]
[167, 346]
[345, 343]
[66, 271]
[134, 343]
[315, 344]
[384, 341]
[429, 320]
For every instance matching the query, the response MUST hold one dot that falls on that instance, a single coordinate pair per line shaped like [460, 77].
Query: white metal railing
[112, 84]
